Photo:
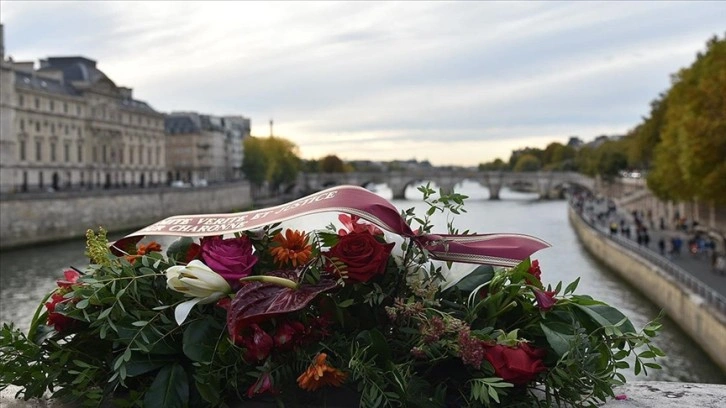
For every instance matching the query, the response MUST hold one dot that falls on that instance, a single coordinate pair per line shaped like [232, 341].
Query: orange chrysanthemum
[320, 374]
[293, 247]
[144, 249]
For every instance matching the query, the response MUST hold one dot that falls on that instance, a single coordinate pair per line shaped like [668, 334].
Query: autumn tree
[691, 157]
[332, 164]
[495, 165]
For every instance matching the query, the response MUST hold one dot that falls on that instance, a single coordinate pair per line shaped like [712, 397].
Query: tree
[646, 136]
[693, 145]
[496, 165]
[254, 163]
[273, 160]
[528, 162]
[332, 164]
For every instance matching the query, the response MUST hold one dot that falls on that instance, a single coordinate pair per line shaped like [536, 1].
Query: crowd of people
[674, 237]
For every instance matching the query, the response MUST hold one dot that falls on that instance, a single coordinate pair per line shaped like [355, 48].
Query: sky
[455, 83]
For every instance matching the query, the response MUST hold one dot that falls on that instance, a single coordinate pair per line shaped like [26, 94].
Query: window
[131, 155]
[104, 155]
[158, 155]
[37, 103]
[148, 156]
[51, 105]
[38, 150]
[78, 110]
[52, 151]
[65, 107]
[67, 152]
[141, 154]
[79, 132]
[80, 153]
[95, 154]
[21, 100]
[22, 150]
[37, 127]
[66, 129]
[121, 155]
[22, 125]
[52, 128]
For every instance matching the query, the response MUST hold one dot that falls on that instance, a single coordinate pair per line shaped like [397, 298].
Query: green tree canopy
[528, 162]
[692, 152]
[273, 160]
[332, 164]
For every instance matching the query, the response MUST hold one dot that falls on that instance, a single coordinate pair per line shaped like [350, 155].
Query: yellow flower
[293, 247]
[320, 374]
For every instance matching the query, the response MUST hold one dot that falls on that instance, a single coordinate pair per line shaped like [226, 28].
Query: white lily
[195, 280]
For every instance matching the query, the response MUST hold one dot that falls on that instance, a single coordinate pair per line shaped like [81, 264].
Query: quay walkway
[693, 271]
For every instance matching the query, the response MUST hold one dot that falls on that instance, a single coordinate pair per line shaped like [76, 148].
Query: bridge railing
[680, 275]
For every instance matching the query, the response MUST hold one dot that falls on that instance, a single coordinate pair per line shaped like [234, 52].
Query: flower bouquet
[376, 311]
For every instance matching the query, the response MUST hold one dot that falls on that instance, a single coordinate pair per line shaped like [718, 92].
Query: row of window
[97, 179]
[37, 126]
[66, 108]
[108, 154]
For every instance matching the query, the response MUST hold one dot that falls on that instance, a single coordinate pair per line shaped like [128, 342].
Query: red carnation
[545, 299]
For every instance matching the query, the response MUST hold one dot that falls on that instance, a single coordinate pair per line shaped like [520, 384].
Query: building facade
[66, 125]
[205, 148]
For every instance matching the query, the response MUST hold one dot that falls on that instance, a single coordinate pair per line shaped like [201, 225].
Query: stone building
[66, 125]
[205, 148]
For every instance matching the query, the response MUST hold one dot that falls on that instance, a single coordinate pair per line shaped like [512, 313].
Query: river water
[27, 274]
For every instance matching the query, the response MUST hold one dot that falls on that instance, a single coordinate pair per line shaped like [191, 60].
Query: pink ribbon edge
[490, 249]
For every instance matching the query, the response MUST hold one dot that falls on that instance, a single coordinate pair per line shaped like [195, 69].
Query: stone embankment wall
[701, 322]
[26, 220]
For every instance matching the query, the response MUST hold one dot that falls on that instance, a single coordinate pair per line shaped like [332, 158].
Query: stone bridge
[548, 184]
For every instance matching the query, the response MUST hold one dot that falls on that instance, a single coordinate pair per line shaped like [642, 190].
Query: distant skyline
[450, 82]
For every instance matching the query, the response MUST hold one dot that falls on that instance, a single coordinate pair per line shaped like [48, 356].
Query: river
[26, 274]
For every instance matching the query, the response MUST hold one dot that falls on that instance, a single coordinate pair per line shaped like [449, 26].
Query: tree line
[680, 145]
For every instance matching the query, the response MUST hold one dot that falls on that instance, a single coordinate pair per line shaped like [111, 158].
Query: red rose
[517, 365]
[364, 257]
[231, 258]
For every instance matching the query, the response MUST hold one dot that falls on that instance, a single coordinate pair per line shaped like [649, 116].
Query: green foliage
[693, 136]
[528, 162]
[332, 164]
[273, 160]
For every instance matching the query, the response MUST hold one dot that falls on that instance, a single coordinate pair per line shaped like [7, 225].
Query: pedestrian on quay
[661, 245]
[646, 237]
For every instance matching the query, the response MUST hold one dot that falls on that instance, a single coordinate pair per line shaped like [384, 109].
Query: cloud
[383, 78]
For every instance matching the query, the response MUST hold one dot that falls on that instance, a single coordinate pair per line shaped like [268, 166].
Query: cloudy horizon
[453, 83]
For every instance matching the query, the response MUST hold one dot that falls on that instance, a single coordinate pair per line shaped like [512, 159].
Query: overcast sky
[450, 82]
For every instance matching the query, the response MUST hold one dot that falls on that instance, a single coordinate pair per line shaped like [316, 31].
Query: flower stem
[275, 280]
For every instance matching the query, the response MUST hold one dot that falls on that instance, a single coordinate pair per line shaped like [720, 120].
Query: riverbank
[33, 219]
[701, 320]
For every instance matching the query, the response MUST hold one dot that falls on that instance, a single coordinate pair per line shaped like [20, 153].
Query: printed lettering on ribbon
[493, 249]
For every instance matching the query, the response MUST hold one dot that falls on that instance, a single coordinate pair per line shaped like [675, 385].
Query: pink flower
[231, 258]
[71, 277]
[621, 397]
[545, 299]
[261, 386]
[353, 223]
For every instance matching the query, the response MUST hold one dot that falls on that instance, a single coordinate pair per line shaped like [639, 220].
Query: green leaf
[605, 315]
[142, 363]
[170, 388]
[200, 339]
[481, 275]
[557, 337]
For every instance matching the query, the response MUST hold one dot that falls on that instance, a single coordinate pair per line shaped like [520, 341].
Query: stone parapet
[31, 219]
